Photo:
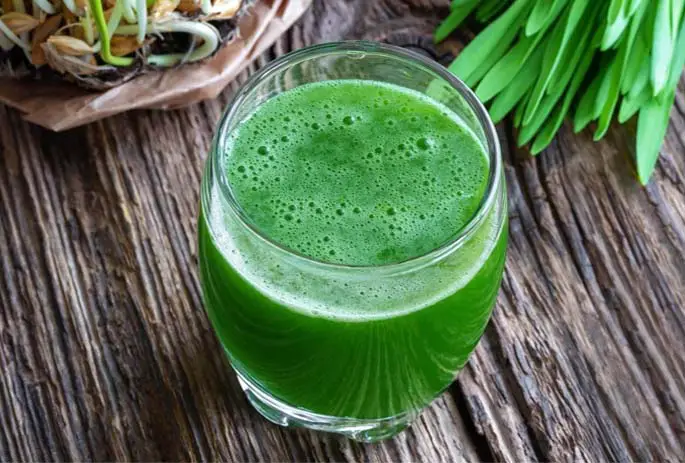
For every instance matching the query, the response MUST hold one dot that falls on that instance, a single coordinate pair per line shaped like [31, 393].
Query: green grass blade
[497, 37]
[614, 31]
[603, 72]
[556, 49]
[579, 57]
[676, 14]
[546, 135]
[487, 65]
[609, 93]
[633, 5]
[488, 9]
[616, 8]
[611, 88]
[518, 114]
[512, 94]
[631, 105]
[654, 115]
[538, 16]
[553, 14]
[638, 58]
[542, 115]
[502, 73]
[528, 130]
[554, 123]
[455, 18]
[663, 45]
[641, 81]
[457, 4]
[606, 72]
[552, 53]
[652, 125]
[477, 75]
[585, 43]
[678, 59]
[585, 112]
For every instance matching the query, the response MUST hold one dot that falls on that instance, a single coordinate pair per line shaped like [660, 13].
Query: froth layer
[339, 295]
[356, 172]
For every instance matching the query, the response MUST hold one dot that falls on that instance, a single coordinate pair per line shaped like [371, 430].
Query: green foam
[356, 172]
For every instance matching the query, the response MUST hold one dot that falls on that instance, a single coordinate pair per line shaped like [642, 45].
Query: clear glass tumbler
[363, 377]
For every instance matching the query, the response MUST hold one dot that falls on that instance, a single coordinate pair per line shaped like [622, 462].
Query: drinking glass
[367, 369]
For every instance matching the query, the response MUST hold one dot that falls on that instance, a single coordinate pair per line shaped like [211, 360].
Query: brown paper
[61, 106]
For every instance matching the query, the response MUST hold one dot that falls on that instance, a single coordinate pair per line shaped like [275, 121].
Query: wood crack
[479, 439]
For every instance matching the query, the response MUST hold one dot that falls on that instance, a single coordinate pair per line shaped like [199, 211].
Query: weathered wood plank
[106, 354]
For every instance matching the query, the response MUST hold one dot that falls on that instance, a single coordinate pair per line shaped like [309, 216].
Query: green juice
[353, 174]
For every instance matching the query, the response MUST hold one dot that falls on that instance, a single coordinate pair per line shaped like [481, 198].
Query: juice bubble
[414, 192]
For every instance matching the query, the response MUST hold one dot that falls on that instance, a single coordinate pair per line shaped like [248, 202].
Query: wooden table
[106, 353]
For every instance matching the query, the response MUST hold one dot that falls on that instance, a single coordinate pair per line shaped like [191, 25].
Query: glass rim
[303, 54]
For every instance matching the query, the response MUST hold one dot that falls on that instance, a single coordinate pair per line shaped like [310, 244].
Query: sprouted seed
[94, 35]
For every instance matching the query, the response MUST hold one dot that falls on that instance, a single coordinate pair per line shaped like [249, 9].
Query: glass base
[362, 430]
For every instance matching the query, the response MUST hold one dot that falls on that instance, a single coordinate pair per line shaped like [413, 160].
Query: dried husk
[38, 56]
[41, 34]
[189, 6]
[68, 15]
[69, 46]
[123, 45]
[46, 29]
[108, 13]
[72, 24]
[224, 9]
[19, 23]
[68, 64]
[163, 8]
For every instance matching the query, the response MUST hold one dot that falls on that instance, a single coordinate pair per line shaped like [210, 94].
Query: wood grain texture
[106, 353]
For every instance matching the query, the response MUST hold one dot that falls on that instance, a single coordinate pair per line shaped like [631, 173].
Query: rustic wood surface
[106, 353]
